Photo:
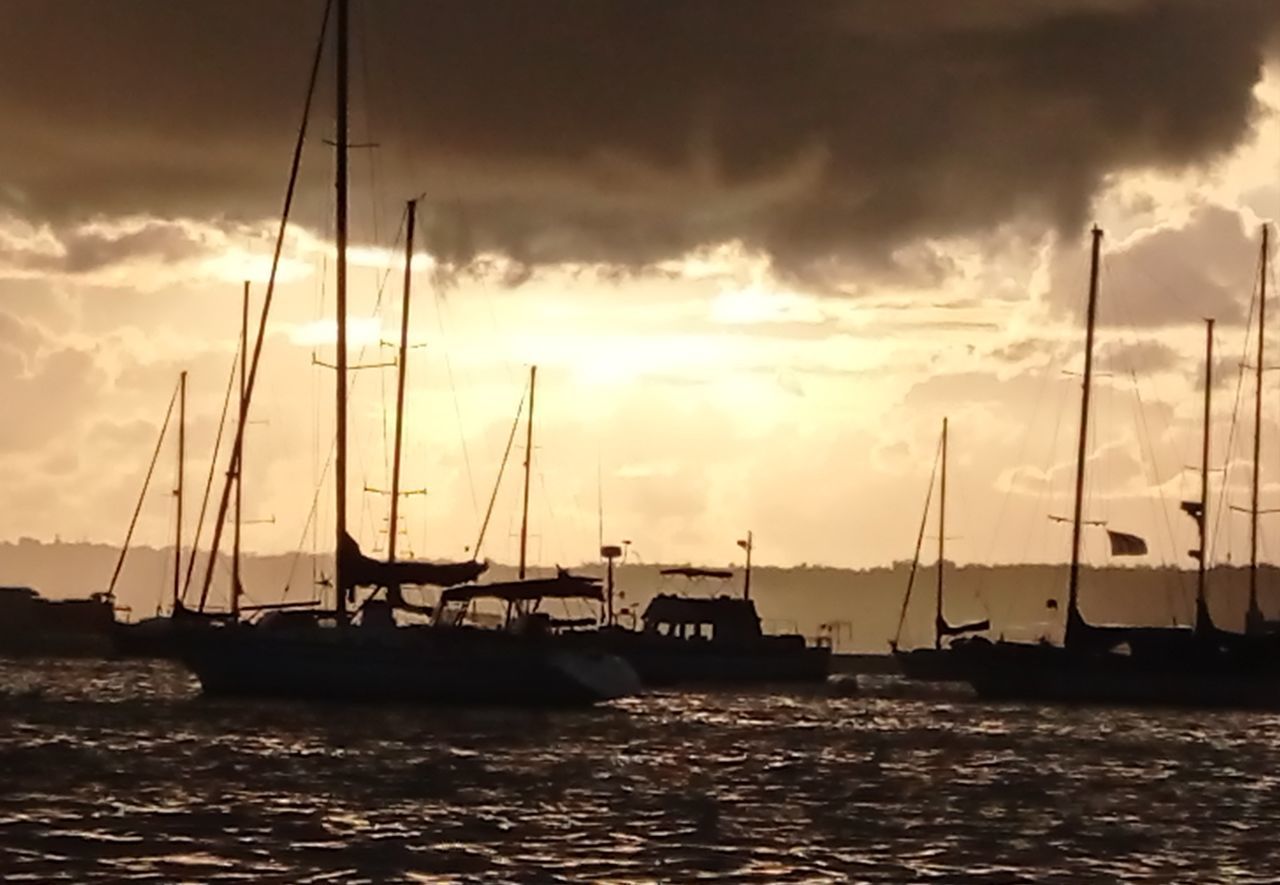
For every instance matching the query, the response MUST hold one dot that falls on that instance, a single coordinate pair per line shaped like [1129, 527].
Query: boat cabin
[718, 619]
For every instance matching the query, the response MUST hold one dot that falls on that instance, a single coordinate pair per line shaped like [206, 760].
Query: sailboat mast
[1202, 572]
[177, 492]
[1254, 616]
[528, 462]
[340, 185]
[942, 540]
[394, 529]
[236, 586]
[1077, 520]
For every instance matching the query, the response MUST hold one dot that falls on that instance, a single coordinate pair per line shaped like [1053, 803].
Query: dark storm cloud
[86, 249]
[629, 131]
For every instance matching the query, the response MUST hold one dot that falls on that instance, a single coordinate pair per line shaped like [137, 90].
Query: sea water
[120, 771]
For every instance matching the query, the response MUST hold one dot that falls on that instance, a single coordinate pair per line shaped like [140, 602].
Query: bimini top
[563, 586]
[693, 572]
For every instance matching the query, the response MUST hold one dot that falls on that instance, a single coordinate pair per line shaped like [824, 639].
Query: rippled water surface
[120, 771]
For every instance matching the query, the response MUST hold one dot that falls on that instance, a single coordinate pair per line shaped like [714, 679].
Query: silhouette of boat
[161, 635]
[312, 655]
[937, 664]
[1202, 666]
[335, 654]
[32, 626]
[717, 640]
[690, 641]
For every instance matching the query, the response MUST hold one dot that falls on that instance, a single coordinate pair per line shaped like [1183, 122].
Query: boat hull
[1201, 679]
[932, 665]
[662, 661]
[413, 665]
[32, 626]
[160, 637]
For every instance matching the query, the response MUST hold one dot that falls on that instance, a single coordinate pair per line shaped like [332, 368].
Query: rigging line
[1175, 584]
[497, 483]
[213, 467]
[1047, 491]
[315, 433]
[167, 561]
[373, 315]
[1224, 493]
[457, 411]
[386, 433]
[360, 355]
[361, 29]
[1022, 450]
[382, 378]
[137, 510]
[333, 443]
[295, 167]
[1206, 539]
[1154, 475]
[551, 516]
[311, 521]
[1175, 587]
[915, 560]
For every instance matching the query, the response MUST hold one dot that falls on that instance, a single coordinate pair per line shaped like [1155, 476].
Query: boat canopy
[562, 586]
[693, 572]
[359, 570]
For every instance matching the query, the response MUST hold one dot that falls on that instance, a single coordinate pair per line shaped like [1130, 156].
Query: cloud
[85, 249]
[624, 131]
[1140, 357]
[1168, 275]
[31, 424]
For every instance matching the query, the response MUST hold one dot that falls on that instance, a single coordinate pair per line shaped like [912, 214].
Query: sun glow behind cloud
[712, 392]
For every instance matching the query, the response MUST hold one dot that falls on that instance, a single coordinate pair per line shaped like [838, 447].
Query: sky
[757, 250]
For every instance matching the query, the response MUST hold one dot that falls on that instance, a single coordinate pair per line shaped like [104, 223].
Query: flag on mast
[1126, 545]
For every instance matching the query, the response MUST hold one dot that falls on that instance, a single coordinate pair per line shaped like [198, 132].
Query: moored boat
[705, 641]
[32, 626]
[370, 661]
[357, 651]
[940, 663]
[1201, 666]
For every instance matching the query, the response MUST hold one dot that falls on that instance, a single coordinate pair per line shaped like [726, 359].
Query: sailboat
[683, 639]
[937, 664]
[367, 656]
[158, 636]
[522, 597]
[1202, 667]
[163, 635]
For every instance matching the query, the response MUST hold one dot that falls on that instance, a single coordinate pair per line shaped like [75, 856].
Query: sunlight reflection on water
[119, 771]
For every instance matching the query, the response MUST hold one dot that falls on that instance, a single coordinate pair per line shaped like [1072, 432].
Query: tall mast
[177, 491]
[1253, 619]
[393, 530]
[340, 184]
[1202, 571]
[236, 586]
[746, 577]
[942, 539]
[528, 462]
[1077, 520]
